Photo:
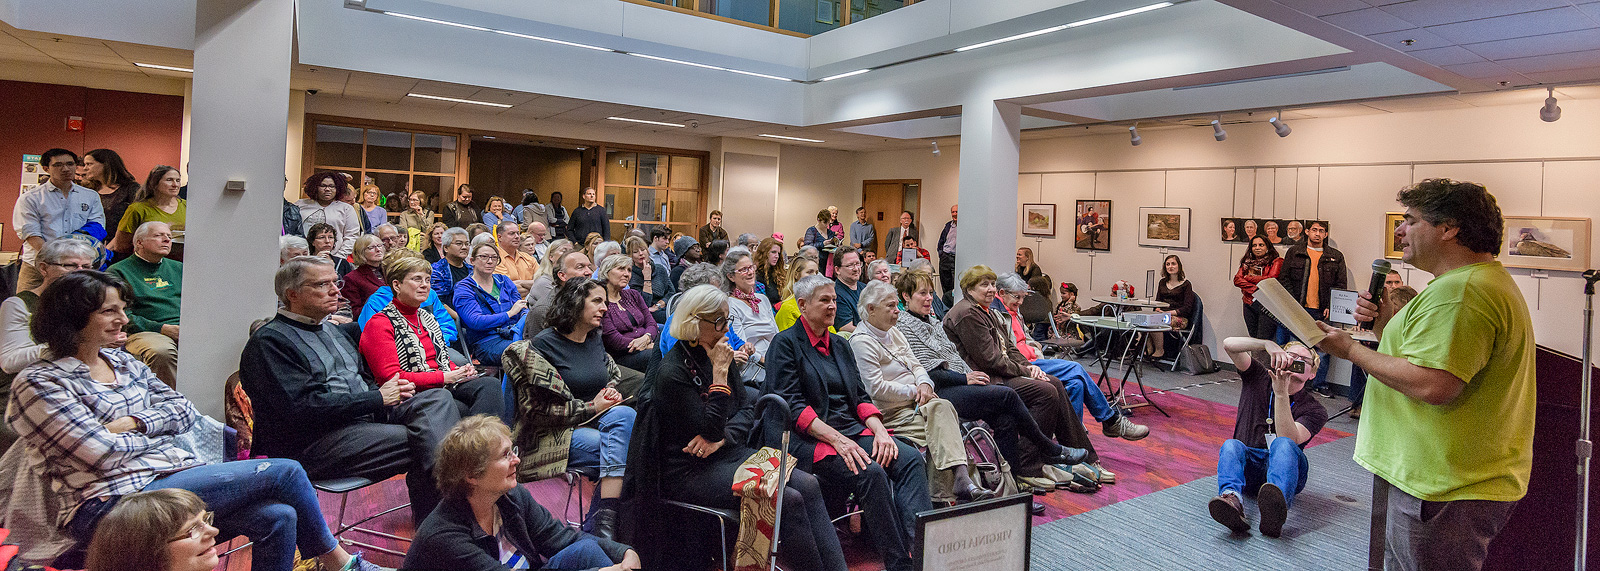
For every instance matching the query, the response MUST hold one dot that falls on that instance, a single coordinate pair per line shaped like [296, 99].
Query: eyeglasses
[488, 257]
[851, 265]
[335, 284]
[459, 243]
[62, 165]
[512, 454]
[747, 270]
[71, 267]
[198, 530]
[717, 323]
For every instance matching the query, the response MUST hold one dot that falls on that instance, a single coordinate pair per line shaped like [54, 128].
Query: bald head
[538, 231]
[574, 264]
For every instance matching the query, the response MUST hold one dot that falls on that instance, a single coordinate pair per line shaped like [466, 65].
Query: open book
[1288, 312]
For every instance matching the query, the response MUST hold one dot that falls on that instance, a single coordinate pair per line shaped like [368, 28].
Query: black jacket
[1330, 273]
[450, 539]
[299, 392]
[799, 373]
[943, 236]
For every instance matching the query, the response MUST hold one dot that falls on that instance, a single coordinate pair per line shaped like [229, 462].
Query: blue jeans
[269, 501]
[603, 452]
[581, 554]
[1081, 390]
[488, 347]
[1282, 463]
[1284, 336]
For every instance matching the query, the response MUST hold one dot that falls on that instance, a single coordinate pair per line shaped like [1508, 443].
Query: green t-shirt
[144, 211]
[1472, 322]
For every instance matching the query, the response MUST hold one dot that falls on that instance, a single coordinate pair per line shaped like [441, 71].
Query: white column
[239, 111]
[991, 136]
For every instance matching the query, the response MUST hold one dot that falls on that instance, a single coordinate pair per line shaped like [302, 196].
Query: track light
[1216, 130]
[1279, 126]
[1550, 112]
[935, 148]
[1133, 134]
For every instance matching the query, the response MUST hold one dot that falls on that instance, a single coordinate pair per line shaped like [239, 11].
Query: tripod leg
[1380, 518]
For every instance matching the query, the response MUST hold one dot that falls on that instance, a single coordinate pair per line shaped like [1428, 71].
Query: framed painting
[1547, 243]
[1039, 220]
[1164, 227]
[1232, 230]
[1091, 228]
[1391, 222]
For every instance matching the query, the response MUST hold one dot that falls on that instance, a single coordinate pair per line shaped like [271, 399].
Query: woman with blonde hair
[376, 215]
[417, 216]
[788, 311]
[433, 242]
[495, 211]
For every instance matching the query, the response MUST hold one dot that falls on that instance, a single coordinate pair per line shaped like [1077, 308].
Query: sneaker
[1229, 511]
[1070, 480]
[1036, 484]
[1103, 475]
[1274, 509]
[1121, 427]
[358, 563]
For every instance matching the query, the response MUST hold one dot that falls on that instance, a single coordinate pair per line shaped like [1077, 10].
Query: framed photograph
[1391, 222]
[1164, 227]
[1091, 228]
[825, 12]
[1294, 232]
[1248, 228]
[1272, 230]
[1547, 243]
[1231, 231]
[990, 535]
[1039, 220]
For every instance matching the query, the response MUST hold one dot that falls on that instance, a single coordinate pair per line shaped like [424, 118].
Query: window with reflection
[398, 162]
[644, 190]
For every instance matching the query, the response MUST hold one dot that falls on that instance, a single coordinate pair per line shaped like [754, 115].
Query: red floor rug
[1178, 450]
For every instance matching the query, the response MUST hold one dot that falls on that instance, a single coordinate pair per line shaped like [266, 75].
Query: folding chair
[343, 487]
[1187, 336]
[725, 516]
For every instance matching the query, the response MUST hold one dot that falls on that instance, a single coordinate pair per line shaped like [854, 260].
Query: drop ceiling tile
[1421, 40]
[1436, 12]
[1514, 26]
[1554, 62]
[1478, 70]
[1417, 104]
[1562, 42]
[1566, 76]
[1324, 7]
[502, 96]
[94, 64]
[1451, 55]
[1498, 98]
[1580, 92]
[9, 50]
[1367, 22]
[534, 112]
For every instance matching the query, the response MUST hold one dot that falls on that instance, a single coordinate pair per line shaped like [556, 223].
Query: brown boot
[1229, 511]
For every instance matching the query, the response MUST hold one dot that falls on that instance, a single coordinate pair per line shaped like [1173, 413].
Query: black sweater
[301, 392]
[450, 539]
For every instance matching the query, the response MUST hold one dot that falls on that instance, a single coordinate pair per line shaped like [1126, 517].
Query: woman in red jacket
[1260, 263]
[401, 341]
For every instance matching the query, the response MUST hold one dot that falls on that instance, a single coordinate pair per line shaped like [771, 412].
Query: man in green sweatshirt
[156, 284]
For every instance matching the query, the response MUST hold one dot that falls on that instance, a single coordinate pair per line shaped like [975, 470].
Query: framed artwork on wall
[1232, 232]
[1039, 220]
[1091, 228]
[1547, 243]
[1391, 222]
[1164, 227]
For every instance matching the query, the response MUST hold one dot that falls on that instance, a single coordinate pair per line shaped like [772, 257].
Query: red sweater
[379, 349]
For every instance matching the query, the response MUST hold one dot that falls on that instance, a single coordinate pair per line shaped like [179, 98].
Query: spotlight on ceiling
[1279, 126]
[935, 148]
[1133, 134]
[1216, 130]
[1550, 112]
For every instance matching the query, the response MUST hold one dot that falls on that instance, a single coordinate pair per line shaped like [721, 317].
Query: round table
[1136, 334]
[1131, 302]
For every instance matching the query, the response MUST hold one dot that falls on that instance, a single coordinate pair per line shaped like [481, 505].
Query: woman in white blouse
[17, 347]
[754, 320]
[904, 393]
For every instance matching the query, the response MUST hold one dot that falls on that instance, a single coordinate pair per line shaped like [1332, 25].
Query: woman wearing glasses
[99, 462]
[488, 304]
[753, 317]
[402, 340]
[17, 346]
[489, 523]
[628, 329]
[367, 277]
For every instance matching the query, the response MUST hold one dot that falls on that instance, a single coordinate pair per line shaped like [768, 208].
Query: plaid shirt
[62, 412]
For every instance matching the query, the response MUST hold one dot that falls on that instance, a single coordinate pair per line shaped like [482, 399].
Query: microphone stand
[1585, 447]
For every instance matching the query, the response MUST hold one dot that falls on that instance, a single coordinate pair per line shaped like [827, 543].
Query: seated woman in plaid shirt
[106, 427]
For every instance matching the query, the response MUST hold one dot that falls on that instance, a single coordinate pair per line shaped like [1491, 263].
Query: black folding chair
[725, 517]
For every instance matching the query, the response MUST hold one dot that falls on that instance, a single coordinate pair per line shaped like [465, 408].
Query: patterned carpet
[1178, 450]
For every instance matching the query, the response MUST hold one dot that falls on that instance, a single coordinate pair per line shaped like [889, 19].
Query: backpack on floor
[988, 468]
[1196, 359]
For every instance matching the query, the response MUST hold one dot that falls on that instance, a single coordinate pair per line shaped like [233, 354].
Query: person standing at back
[947, 252]
[1310, 272]
[104, 172]
[862, 235]
[52, 209]
[713, 229]
[589, 218]
[461, 213]
[1448, 429]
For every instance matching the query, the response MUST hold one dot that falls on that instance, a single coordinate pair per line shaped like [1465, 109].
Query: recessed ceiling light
[1093, 20]
[792, 138]
[661, 123]
[165, 67]
[457, 100]
[845, 74]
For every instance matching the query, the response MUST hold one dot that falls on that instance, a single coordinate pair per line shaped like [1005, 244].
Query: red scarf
[750, 298]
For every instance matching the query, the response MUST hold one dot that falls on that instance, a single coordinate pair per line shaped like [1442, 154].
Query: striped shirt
[928, 342]
[62, 413]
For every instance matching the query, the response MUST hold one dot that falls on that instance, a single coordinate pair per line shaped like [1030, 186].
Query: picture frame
[1231, 229]
[1391, 222]
[1162, 227]
[1039, 220]
[1091, 225]
[825, 12]
[988, 535]
[1547, 243]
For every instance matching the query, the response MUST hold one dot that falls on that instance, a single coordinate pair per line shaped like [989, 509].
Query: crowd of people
[634, 362]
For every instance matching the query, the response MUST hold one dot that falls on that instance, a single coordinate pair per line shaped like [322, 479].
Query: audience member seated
[391, 236]
[291, 247]
[628, 329]
[981, 341]
[836, 423]
[693, 434]
[417, 216]
[489, 305]
[904, 394]
[55, 208]
[495, 212]
[452, 267]
[878, 271]
[315, 401]
[847, 285]
[434, 304]
[545, 281]
[602, 251]
[1278, 415]
[753, 318]
[569, 411]
[970, 391]
[18, 348]
[514, 263]
[569, 266]
[106, 428]
[372, 214]
[713, 229]
[156, 201]
[1081, 389]
[771, 269]
[368, 275]
[401, 340]
[534, 247]
[432, 242]
[698, 275]
[649, 278]
[323, 240]
[155, 292]
[714, 252]
[687, 252]
[908, 243]
[1026, 266]
[322, 206]
[487, 522]
[788, 311]
[1179, 296]
[926, 266]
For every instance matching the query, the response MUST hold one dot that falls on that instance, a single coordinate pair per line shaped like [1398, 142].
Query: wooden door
[883, 199]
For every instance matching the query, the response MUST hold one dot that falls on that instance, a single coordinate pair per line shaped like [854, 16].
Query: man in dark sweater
[1311, 271]
[316, 403]
[156, 286]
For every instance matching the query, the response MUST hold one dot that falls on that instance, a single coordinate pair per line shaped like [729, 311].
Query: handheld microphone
[1380, 272]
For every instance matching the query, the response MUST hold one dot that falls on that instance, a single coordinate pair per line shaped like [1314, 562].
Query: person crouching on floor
[1278, 415]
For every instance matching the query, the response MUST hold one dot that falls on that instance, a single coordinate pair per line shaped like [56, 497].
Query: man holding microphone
[1448, 423]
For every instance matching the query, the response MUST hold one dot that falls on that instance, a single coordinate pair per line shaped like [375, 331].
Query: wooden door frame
[900, 181]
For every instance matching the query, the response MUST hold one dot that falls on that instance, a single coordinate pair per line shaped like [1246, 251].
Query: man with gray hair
[452, 266]
[391, 236]
[315, 401]
[571, 265]
[520, 267]
[748, 241]
[155, 286]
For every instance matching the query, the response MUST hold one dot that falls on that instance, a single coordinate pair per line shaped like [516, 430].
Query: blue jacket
[483, 314]
[440, 281]
[381, 298]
